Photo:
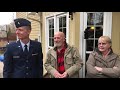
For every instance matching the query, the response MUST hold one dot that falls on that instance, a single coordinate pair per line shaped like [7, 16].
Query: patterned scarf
[60, 60]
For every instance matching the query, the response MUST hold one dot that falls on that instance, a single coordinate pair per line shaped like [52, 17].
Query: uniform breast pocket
[34, 56]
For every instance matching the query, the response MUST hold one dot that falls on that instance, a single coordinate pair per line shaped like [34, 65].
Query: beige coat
[72, 62]
[96, 59]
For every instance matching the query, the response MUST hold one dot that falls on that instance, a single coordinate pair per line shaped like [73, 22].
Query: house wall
[116, 32]
[74, 27]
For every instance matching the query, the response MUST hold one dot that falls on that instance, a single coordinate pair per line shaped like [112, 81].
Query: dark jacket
[17, 65]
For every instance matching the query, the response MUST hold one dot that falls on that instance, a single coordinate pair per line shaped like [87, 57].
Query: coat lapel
[67, 50]
[111, 57]
[101, 59]
[54, 54]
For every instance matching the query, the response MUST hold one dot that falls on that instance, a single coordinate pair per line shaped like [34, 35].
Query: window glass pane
[60, 29]
[60, 22]
[99, 19]
[89, 45]
[64, 21]
[90, 18]
[64, 31]
[98, 32]
[52, 42]
[49, 23]
[52, 23]
[52, 33]
[96, 43]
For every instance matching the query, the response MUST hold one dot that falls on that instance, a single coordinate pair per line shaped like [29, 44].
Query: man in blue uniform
[23, 58]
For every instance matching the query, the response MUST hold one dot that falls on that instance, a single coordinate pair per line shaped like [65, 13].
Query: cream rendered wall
[74, 30]
[116, 32]
[43, 40]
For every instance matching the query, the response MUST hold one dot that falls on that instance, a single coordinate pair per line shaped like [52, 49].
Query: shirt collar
[28, 44]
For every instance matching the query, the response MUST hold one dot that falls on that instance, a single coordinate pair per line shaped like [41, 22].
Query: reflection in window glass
[99, 19]
[64, 21]
[95, 18]
[90, 18]
[98, 32]
[89, 45]
[51, 42]
[64, 31]
[62, 24]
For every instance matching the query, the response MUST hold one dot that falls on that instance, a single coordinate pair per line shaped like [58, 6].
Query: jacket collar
[54, 54]
[98, 56]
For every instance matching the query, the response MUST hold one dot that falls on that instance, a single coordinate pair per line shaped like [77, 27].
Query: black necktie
[26, 50]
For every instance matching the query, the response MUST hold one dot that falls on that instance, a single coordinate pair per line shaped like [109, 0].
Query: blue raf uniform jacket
[17, 65]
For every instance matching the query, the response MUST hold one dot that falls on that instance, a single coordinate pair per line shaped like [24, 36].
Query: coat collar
[111, 56]
[54, 53]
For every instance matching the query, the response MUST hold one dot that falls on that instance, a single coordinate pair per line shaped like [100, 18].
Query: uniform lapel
[19, 46]
[31, 47]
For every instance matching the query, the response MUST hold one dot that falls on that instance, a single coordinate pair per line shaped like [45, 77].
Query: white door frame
[107, 29]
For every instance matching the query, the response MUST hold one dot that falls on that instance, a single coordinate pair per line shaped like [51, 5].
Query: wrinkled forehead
[57, 35]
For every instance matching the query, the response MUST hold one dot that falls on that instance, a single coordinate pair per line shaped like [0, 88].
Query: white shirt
[28, 44]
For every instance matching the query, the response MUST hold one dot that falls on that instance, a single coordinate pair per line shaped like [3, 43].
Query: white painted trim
[107, 24]
[54, 14]
[83, 25]
[67, 29]
[47, 32]
[46, 43]
[81, 40]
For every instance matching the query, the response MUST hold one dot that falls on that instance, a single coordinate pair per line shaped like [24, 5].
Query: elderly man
[63, 60]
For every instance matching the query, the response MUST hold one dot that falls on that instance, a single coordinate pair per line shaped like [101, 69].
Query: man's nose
[17, 31]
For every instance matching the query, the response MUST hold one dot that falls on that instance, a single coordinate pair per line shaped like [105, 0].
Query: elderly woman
[103, 62]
